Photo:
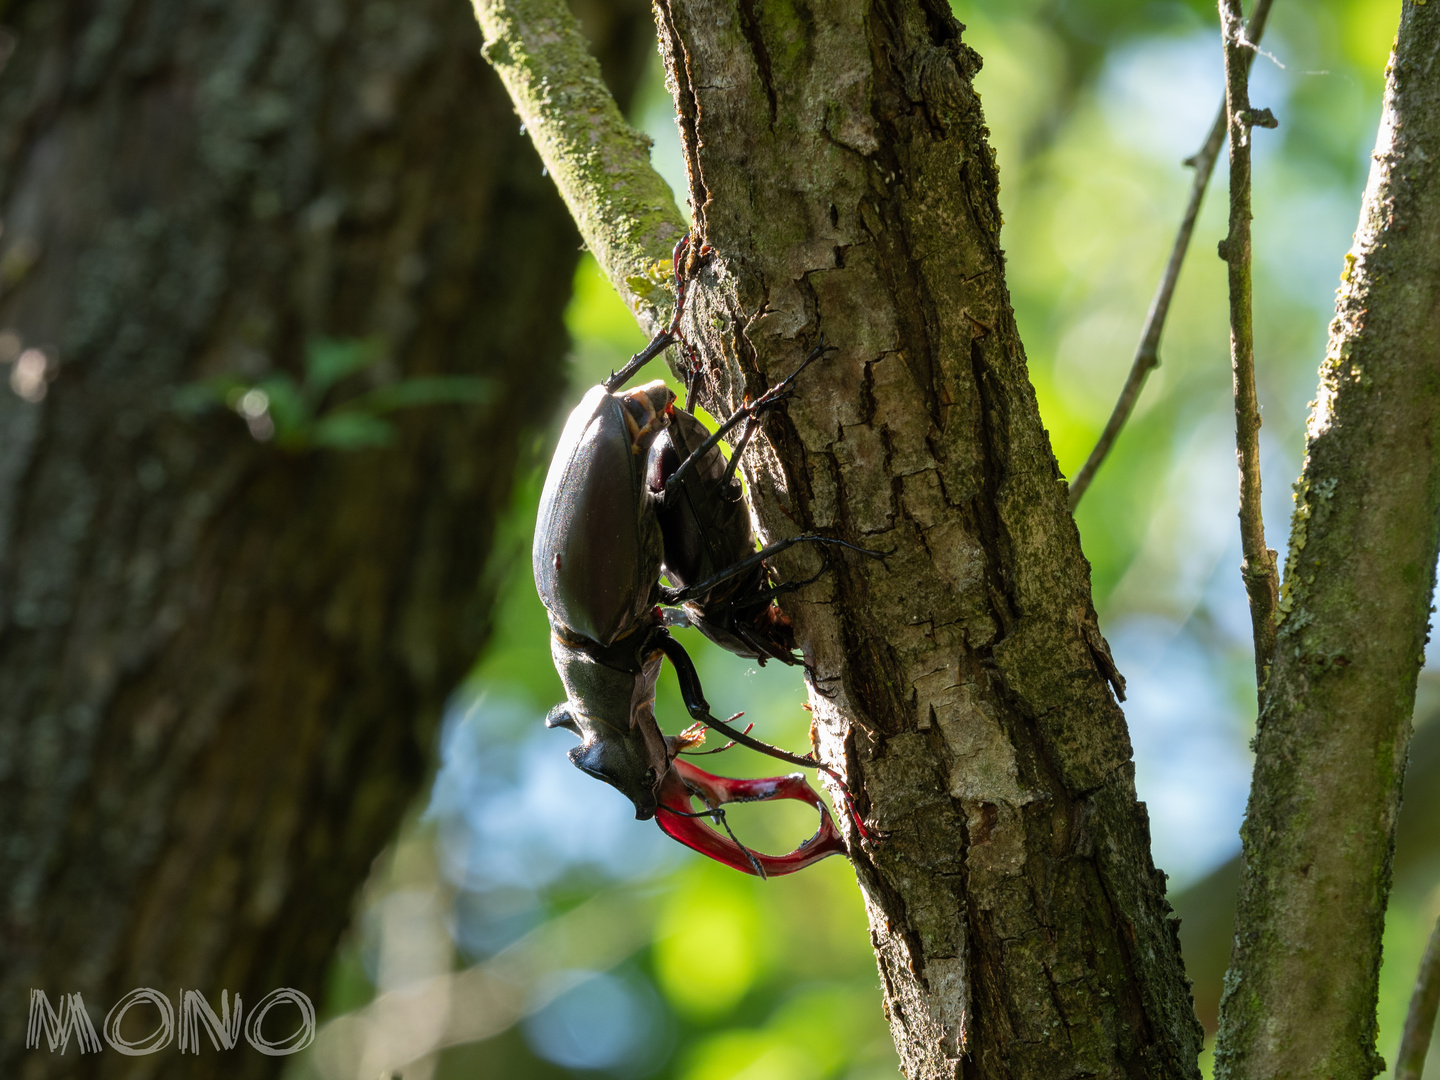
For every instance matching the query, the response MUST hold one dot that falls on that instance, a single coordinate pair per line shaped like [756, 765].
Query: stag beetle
[724, 586]
[636, 485]
[597, 559]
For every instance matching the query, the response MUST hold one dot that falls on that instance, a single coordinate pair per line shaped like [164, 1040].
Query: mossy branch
[601, 164]
[1334, 726]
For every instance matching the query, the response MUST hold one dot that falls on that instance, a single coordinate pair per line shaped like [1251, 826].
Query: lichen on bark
[600, 163]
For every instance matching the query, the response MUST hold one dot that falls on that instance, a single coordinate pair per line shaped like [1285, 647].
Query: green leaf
[351, 425]
[328, 360]
[426, 390]
[289, 411]
[197, 398]
[348, 429]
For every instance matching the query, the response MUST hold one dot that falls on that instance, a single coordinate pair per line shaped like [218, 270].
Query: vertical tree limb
[1147, 353]
[1258, 563]
[1334, 723]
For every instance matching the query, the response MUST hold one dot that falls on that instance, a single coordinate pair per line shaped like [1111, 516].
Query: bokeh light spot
[599, 1021]
[708, 941]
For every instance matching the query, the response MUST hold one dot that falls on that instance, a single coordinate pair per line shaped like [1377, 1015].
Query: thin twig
[1147, 353]
[1258, 566]
[1420, 1021]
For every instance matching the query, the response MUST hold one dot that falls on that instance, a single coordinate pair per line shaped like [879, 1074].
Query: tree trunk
[221, 661]
[839, 169]
[1334, 726]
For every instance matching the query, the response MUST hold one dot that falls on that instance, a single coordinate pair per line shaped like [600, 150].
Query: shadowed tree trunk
[222, 661]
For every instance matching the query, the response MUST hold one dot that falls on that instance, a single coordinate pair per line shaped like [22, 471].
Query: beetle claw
[678, 818]
[816, 679]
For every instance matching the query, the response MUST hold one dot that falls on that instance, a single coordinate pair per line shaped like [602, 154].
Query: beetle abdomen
[597, 546]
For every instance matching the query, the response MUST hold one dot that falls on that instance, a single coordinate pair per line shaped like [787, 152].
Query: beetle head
[647, 412]
[613, 713]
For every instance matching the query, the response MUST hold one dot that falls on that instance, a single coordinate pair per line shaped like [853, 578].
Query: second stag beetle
[637, 486]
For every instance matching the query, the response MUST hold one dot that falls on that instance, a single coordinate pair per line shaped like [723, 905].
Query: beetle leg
[785, 588]
[679, 596]
[699, 709]
[813, 674]
[694, 382]
[679, 820]
[764, 649]
[761, 643]
[774, 395]
[658, 344]
[750, 426]
[760, 623]
[667, 337]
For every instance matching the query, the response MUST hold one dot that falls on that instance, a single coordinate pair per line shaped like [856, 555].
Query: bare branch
[601, 164]
[1420, 1021]
[1147, 353]
[1262, 581]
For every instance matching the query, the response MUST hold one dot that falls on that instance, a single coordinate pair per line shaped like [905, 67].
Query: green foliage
[295, 415]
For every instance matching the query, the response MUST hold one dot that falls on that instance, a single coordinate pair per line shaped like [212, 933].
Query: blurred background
[523, 924]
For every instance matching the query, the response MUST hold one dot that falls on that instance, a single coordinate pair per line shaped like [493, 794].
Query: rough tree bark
[839, 169]
[221, 664]
[1334, 725]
